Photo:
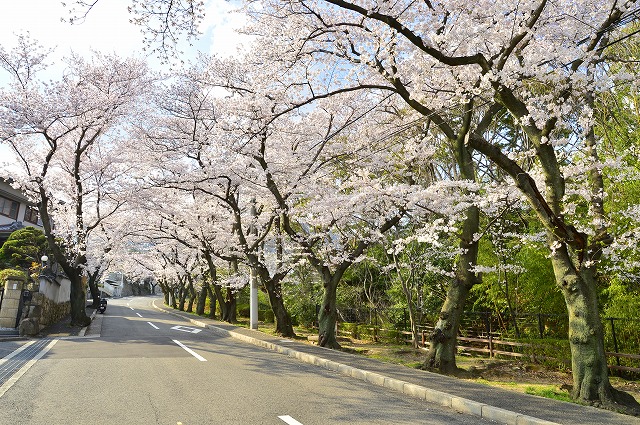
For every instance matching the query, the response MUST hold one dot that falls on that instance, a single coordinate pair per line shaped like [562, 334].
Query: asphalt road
[148, 367]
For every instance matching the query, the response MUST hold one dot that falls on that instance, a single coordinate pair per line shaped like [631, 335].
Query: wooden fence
[484, 344]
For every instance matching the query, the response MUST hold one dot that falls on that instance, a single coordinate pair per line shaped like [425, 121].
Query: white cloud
[221, 22]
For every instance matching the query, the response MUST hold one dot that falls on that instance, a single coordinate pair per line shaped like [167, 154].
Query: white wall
[58, 292]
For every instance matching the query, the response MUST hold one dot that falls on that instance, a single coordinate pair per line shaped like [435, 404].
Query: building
[16, 211]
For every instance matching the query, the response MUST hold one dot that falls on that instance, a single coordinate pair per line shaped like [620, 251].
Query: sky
[106, 29]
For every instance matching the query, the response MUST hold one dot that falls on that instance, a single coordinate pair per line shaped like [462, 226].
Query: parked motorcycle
[103, 305]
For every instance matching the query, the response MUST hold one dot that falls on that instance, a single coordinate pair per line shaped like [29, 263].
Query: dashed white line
[152, 325]
[132, 308]
[190, 351]
[289, 420]
[139, 315]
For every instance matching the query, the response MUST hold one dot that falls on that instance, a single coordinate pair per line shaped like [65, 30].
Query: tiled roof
[11, 227]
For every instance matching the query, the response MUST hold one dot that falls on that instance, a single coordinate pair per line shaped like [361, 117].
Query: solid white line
[139, 315]
[153, 325]
[288, 419]
[190, 351]
[15, 353]
[9, 383]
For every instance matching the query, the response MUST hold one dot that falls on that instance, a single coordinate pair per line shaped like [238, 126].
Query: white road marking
[186, 329]
[139, 315]
[15, 353]
[9, 383]
[288, 419]
[190, 351]
[132, 308]
[154, 326]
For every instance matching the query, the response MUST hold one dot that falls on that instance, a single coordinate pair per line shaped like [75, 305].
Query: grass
[548, 391]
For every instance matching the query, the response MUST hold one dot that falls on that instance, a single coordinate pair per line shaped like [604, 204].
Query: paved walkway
[502, 406]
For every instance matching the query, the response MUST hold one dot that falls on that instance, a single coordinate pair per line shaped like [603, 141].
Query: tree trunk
[443, 340]
[328, 314]
[78, 301]
[182, 296]
[221, 301]
[202, 299]
[212, 302]
[165, 292]
[93, 287]
[442, 348]
[586, 336]
[282, 317]
[73, 270]
[230, 314]
[191, 293]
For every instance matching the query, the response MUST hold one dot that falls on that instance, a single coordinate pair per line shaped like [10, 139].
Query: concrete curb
[459, 404]
[84, 330]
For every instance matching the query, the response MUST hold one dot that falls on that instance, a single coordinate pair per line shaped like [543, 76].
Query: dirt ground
[512, 374]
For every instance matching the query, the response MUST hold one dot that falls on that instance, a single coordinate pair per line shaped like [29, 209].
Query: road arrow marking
[154, 326]
[288, 419]
[186, 329]
[193, 353]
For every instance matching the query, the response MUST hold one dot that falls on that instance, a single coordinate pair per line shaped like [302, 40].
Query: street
[149, 367]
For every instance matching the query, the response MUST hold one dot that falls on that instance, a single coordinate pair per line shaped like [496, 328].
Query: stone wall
[49, 304]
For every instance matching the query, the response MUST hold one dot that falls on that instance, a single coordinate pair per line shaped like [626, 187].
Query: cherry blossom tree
[465, 64]
[55, 129]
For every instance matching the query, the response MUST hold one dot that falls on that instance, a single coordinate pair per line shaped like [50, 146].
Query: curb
[459, 404]
[84, 330]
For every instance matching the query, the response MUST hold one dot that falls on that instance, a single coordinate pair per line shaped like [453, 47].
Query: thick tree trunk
[78, 301]
[442, 348]
[221, 301]
[443, 340]
[166, 290]
[328, 314]
[182, 297]
[212, 302]
[586, 338]
[202, 299]
[230, 314]
[191, 294]
[283, 319]
[93, 287]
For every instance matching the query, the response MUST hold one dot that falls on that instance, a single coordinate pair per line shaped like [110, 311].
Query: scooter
[103, 305]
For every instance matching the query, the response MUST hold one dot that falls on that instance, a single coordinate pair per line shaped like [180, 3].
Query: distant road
[149, 367]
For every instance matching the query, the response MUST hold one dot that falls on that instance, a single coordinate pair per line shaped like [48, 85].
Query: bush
[14, 274]
[550, 352]
[269, 317]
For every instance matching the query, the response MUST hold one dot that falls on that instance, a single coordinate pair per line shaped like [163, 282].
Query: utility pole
[253, 281]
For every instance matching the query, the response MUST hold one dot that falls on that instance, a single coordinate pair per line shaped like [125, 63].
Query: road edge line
[14, 378]
[16, 352]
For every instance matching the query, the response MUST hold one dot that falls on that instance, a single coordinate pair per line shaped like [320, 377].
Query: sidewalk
[502, 406]
[55, 330]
